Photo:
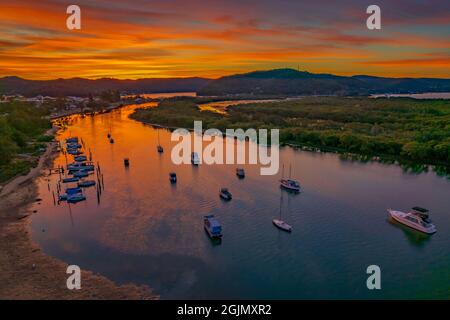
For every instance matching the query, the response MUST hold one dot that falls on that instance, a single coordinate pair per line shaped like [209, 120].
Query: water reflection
[414, 237]
[144, 229]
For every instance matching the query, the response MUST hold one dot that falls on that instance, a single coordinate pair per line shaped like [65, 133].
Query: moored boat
[72, 179]
[81, 174]
[280, 224]
[417, 219]
[71, 191]
[240, 173]
[290, 184]
[195, 160]
[72, 140]
[76, 198]
[173, 177]
[212, 226]
[80, 158]
[225, 194]
[86, 184]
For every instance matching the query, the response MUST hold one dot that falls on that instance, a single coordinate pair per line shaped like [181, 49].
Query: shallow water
[147, 231]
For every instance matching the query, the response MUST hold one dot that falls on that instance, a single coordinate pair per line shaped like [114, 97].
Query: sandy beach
[28, 273]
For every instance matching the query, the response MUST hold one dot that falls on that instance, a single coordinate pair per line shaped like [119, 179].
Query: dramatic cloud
[143, 38]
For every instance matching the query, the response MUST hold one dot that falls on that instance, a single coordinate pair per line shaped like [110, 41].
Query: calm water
[147, 231]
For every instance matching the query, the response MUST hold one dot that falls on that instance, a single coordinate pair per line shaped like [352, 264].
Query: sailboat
[280, 224]
[159, 147]
[289, 184]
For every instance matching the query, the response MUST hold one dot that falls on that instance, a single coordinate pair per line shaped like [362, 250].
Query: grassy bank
[402, 129]
[22, 137]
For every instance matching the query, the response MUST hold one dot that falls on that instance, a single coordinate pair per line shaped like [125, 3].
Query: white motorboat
[417, 219]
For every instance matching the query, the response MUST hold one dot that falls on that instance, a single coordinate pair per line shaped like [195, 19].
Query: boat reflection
[414, 237]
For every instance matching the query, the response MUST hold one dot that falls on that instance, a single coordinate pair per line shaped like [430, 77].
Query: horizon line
[216, 78]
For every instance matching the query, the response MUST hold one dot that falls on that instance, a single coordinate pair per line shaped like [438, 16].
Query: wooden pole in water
[54, 201]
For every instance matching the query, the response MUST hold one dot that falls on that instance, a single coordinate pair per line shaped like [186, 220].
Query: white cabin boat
[417, 219]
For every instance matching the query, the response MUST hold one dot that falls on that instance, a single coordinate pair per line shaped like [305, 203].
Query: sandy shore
[28, 273]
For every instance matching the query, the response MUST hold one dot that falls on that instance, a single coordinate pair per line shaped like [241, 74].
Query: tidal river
[144, 230]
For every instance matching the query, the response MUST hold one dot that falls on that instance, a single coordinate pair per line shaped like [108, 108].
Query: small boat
[212, 226]
[240, 173]
[74, 146]
[62, 197]
[76, 198]
[86, 184]
[68, 180]
[289, 184]
[81, 174]
[74, 152]
[225, 194]
[111, 140]
[71, 191]
[109, 135]
[72, 140]
[159, 147]
[280, 224]
[88, 166]
[173, 177]
[80, 158]
[195, 160]
[418, 219]
[126, 162]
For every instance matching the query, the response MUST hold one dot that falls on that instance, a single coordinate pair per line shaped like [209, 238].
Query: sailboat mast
[281, 202]
[290, 171]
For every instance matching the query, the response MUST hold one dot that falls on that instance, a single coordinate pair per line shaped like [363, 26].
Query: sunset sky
[212, 38]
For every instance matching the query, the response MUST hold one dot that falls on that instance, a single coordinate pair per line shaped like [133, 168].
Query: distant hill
[293, 82]
[83, 87]
[272, 82]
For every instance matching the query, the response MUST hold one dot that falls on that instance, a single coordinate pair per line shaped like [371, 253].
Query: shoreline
[29, 273]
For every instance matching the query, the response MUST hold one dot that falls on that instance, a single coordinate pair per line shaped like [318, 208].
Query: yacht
[280, 224]
[225, 194]
[212, 226]
[289, 184]
[173, 177]
[417, 218]
[88, 166]
[195, 160]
